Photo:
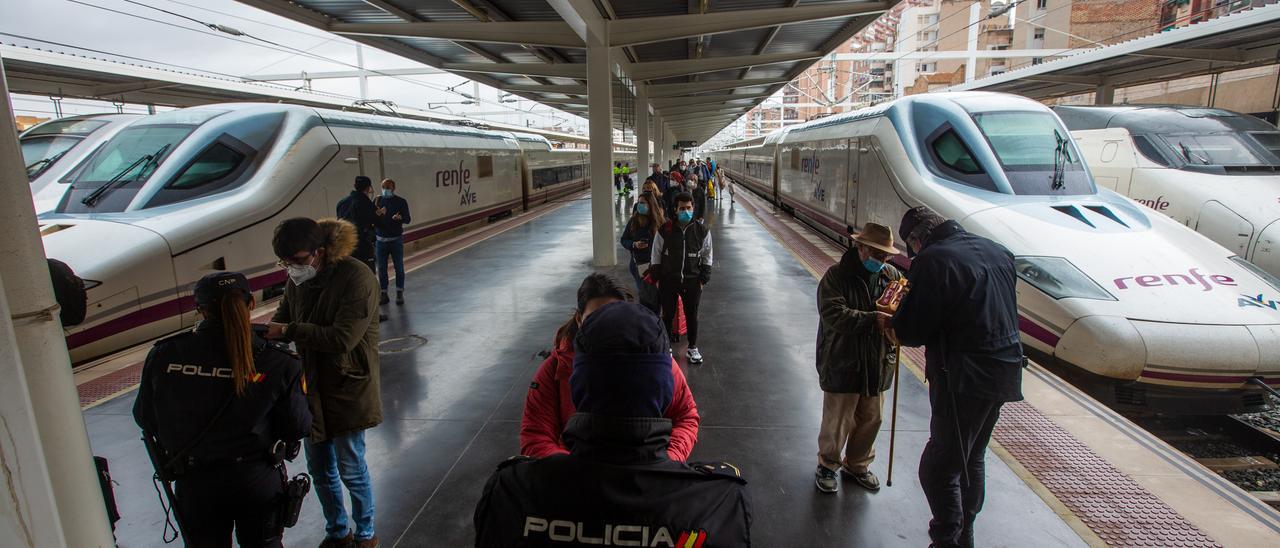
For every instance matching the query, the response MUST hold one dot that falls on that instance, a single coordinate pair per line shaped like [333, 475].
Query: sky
[133, 28]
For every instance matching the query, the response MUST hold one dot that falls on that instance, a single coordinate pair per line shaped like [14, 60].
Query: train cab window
[1212, 150]
[1036, 153]
[1149, 150]
[1268, 140]
[47, 143]
[951, 158]
[484, 165]
[217, 168]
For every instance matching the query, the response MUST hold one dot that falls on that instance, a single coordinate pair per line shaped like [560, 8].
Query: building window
[1037, 60]
[1038, 34]
[926, 67]
[928, 19]
[1042, 4]
[927, 36]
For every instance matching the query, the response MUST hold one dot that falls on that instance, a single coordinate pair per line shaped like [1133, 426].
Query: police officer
[617, 486]
[226, 407]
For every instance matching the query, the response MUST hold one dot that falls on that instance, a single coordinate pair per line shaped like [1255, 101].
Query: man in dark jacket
[393, 215]
[963, 307]
[659, 179]
[330, 310]
[855, 358]
[616, 487]
[681, 262]
[358, 209]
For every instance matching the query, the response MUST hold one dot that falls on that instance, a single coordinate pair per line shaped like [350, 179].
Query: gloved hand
[704, 274]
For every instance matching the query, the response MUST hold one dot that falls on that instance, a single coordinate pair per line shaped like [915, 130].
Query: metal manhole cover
[401, 344]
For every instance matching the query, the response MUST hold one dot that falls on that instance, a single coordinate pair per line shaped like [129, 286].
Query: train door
[1220, 224]
[371, 163]
[526, 178]
[878, 201]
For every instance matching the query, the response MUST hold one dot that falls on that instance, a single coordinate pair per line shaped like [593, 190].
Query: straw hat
[877, 236]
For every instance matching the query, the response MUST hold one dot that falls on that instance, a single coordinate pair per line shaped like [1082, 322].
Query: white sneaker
[695, 357]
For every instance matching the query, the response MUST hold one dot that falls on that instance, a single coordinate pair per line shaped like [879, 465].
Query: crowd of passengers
[609, 420]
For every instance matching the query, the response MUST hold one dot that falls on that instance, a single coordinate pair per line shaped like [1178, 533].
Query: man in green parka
[855, 359]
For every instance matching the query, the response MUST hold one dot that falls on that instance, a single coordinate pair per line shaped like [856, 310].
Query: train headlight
[1058, 278]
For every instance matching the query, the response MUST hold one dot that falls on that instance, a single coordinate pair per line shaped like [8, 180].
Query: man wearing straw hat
[856, 360]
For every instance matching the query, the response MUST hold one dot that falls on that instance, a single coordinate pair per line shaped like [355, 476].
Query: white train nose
[1171, 354]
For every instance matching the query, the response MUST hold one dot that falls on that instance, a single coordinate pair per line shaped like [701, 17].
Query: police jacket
[616, 487]
[187, 381]
[853, 356]
[682, 252]
[359, 210]
[962, 306]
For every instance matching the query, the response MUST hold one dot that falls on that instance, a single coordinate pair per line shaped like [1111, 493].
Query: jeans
[953, 467]
[394, 249]
[338, 462]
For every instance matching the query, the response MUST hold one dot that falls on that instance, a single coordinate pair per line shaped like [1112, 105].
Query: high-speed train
[177, 195]
[1147, 313]
[1213, 170]
[51, 149]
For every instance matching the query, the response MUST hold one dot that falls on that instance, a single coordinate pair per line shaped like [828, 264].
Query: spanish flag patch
[257, 377]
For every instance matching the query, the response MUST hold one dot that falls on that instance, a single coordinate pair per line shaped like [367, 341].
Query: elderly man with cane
[856, 359]
[963, 308]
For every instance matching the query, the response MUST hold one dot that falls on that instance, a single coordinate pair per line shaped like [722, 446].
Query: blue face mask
[387, 193]
[642, 209]
[872, 265]
[684, 216]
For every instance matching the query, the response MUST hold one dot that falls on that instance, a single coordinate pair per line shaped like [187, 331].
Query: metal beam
[1223, 55]
[1066, 79]
[104, 90]
[644, 30]
[560, 70]
[707, 99]
[691, 109]
[708, 116]
[567, 89]
[334, 74]
[676, 90]
[653, 70]
[703, 122]
[530, 33]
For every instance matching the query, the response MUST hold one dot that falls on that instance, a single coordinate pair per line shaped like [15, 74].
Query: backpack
[69, 291]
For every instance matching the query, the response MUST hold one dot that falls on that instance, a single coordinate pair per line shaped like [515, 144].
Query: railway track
[1246, 454]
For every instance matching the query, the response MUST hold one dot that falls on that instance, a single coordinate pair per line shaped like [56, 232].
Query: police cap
[212, 287]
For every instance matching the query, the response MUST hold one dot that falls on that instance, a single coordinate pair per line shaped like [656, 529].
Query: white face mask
[300, 274]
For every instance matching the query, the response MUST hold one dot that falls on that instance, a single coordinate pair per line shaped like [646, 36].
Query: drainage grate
[401, 344]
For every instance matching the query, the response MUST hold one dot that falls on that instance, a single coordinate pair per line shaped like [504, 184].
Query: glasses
[877, 254]
[296, 260]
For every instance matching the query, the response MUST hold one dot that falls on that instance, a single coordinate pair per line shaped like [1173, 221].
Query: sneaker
[695, 357]
[344, 542]
[383, 299]
[399, 297]
[371, 542]
[825, 479]
[867, 480]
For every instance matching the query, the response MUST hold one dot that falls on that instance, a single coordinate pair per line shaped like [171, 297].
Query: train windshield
[43, 146]
[1219, 149]
[1036, 153]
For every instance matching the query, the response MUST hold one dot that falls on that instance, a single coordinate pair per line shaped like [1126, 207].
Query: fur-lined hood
[340, 238]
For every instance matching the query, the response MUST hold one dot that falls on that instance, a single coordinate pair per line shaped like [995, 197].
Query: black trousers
[953, 467]
[690, 292]
[242, 497]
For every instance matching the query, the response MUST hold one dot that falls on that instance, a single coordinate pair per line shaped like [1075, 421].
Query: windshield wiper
[118, 179]
[44, 163]
[1061, 155]
[1191, 156]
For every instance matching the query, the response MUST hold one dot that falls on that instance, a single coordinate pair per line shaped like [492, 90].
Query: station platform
[459, 355]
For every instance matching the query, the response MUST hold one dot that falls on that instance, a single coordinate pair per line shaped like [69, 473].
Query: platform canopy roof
[1245, 39]
[705, 62]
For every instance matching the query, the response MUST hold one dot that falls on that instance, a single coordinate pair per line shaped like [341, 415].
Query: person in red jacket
[549, 404]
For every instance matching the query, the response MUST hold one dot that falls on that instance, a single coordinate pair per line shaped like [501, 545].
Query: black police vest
[600, 496]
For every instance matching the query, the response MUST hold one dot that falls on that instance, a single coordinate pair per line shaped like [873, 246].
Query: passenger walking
[329, 311]
[963, 308]
[658, 178]
[681, 262]
[617, 480]
[637, 237]
[550, 402]
[226, 409]
[358, 209]
[393, 215]
[855, 358]
[722, 186]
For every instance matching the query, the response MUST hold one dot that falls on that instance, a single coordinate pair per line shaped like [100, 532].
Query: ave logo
[1252, 301]
[460, 178]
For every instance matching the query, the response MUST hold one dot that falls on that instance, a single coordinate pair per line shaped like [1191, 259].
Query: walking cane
[893, 418]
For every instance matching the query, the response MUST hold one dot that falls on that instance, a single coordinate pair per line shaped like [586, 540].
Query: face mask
[872, 265]
[642, 209]
[684, 216]
[387, 193]
[300, 274]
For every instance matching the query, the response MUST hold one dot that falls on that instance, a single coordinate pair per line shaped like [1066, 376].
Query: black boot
[383, 299]
[399, 297]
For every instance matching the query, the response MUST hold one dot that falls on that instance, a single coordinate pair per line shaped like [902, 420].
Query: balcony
[998, 28]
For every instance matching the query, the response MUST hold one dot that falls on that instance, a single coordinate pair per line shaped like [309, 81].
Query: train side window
[1148, 149]
[219, 167]
[952, 158]
[484, 164]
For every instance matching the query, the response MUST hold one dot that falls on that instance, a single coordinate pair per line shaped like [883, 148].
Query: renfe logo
[1157, 204]
[1193, 278]
[460, 178]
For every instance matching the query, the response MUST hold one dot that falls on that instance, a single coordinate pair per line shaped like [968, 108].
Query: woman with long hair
[637, 238]
[549, 403]
[225, 408]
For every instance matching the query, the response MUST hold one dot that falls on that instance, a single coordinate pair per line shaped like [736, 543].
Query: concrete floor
[453, 406]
